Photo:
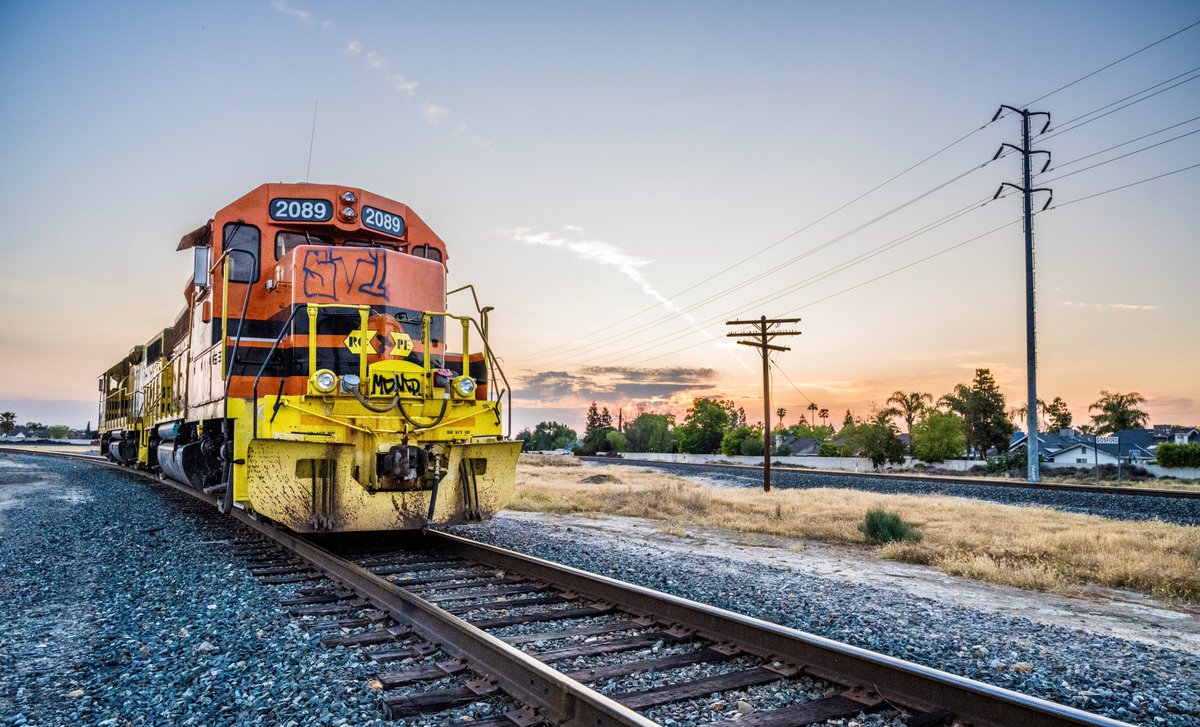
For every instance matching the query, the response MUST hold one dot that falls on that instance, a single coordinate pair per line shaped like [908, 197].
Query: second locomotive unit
[315, 377]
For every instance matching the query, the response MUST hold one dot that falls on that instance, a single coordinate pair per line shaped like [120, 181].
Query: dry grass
[1026, 547]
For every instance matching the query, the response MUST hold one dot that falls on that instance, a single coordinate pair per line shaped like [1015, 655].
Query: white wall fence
[862, 464]
[849, 464]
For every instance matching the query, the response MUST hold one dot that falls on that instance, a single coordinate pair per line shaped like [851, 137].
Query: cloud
[327, 25]
[302, 15]
[400, 83]
[612, 382]
[434, 114]
[1111, 306]
[670, 374]
[376, 61]
[354, 48]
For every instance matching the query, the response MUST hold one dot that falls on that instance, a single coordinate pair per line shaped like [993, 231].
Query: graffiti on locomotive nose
[388, 384]
[328, 274]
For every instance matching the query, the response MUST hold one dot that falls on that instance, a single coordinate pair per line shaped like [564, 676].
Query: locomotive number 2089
[316, 210]
[382, 221]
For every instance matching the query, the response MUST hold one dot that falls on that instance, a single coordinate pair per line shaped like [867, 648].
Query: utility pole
[760, 338]
[1027, 189]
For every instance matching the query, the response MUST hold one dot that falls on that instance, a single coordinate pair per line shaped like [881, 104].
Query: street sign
[1108, 440]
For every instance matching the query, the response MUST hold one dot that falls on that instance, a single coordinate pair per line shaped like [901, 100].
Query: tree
[743, 439]
[805, 431]
[1118, 411]
[704, 426]
[981, 406]
[812, 408]
[939, 436]
[59, 431]
[617, 441]
[599, 424]
[1060, 415]
[877, 441]
[910, 405]
[551, 435]
[824, 414]
[848, 421]
[1021, 413]
[8, 422]
[651, 433]
[781, 413]
[1178, 455]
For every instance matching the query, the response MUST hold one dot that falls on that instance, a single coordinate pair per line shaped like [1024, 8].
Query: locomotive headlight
[348, 213]
[348, 198]
[464, 387]
[324, 381]
[350, 382]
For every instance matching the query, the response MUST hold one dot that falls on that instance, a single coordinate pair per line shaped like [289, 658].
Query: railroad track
[939, 480]
[492, 621]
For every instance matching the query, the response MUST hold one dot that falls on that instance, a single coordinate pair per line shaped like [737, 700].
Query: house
[1133, 446]
[1048, 442]
[799, 446]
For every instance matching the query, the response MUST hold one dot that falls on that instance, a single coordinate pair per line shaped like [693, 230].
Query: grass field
[1027, 547]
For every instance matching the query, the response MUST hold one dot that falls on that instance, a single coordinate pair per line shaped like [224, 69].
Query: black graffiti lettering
[385, 384]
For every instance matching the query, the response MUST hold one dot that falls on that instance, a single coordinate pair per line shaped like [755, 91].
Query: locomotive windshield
[285, 242]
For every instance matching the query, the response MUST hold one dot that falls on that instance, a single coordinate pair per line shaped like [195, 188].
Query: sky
[618, 179]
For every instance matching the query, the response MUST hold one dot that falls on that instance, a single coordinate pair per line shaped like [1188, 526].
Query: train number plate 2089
[309, 210]
[382, 221]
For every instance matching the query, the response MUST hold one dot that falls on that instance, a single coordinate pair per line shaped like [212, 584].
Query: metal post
[766, 362]
[761, 339]
[1027, 190]
[1096, 457]
[1031, 416]
[1118, 458]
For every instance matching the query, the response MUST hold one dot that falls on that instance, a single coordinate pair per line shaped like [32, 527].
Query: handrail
[488, 360]
[311, 310]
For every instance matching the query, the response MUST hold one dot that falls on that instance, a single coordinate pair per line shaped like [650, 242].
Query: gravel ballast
[1126, 680]
[1184, 511]
[123, 603]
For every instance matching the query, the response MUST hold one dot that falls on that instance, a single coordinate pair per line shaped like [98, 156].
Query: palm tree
[781, 413]
[957, 401]
[812, 419]
[1118, 411]
[1022, 412]
[824, 414]
[910, 405]
[8, 422]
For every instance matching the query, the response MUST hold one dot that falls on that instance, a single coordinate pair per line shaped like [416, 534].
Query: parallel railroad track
[492, 620]
[938, 480]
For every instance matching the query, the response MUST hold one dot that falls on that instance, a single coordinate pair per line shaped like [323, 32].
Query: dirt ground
[1122, 614]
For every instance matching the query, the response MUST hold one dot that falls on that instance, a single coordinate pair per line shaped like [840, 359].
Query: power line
[1058, 131]
[1124, 186]
[856, 286]
[1122, 156]
[1056, 167]
[1110, 65]
[579, 350]
[792, 234]
[638, 348]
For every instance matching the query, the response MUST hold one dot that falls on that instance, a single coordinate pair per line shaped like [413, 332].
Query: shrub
[881, 526]
[1178, 455]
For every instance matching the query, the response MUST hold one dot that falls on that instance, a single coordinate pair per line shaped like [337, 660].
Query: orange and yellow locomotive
[315, 376]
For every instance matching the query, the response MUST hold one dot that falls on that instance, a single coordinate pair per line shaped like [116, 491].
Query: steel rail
[910, 685]
[565, 701]
[559, 698]
[968, 481]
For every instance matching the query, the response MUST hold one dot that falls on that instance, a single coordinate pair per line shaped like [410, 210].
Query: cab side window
[427, 252]
[239, 236]
[285, 241]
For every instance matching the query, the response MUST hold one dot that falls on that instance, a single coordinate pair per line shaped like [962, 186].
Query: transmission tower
[1028, 190]
[761, 338]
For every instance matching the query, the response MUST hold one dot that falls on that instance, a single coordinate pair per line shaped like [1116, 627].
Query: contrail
[606, 253]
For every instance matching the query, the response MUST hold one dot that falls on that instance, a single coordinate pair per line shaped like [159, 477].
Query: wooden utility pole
[760, 338]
